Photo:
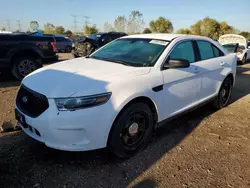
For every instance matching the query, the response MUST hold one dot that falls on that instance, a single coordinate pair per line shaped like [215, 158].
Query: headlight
[75, 103]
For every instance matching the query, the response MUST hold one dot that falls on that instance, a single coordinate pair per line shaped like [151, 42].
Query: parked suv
[84, 46]
[118, 95]
[63, 44]
[24, 53]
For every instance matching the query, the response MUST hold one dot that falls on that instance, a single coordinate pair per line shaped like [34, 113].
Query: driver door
[181, 89]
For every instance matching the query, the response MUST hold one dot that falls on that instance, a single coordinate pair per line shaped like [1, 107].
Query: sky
[182, 13]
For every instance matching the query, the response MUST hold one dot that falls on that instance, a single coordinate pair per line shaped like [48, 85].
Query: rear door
[59, 43]
[212, 62]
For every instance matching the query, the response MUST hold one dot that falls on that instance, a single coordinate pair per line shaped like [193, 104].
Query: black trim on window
[196, 51]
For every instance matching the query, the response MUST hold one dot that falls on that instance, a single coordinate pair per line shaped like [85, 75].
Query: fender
[25, 46]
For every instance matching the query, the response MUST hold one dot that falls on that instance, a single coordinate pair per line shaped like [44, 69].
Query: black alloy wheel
[224, 95]
[23, 66]
[131, 131]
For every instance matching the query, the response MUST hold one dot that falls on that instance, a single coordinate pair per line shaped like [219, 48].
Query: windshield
[132, 51]
[94, 36]
[230, 47]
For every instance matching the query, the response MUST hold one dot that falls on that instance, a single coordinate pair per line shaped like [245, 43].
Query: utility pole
[86, 20]
[18, 25]
[75, 22]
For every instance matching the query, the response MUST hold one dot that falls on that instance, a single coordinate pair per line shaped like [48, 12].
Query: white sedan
[118, 95]
[236, 44]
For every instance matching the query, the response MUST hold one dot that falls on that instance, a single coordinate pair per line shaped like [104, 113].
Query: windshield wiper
[112, 60]
[120, 62]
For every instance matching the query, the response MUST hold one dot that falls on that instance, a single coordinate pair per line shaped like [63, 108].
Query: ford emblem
[25, 99]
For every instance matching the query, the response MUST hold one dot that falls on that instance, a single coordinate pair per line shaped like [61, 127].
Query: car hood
[232, 38]
[80, 77]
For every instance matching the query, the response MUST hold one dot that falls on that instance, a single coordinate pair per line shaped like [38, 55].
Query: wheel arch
[142, 99]
[22, 53]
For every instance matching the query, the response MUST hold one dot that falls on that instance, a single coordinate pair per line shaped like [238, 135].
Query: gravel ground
[205, 148]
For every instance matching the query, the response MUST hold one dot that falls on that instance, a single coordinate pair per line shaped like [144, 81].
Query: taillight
[53, 44]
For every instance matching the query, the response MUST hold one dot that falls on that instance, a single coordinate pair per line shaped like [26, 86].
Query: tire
[244, 59]
[23, 66]
[75, 56]
[224, 95]
[67, 49]
[131, 131]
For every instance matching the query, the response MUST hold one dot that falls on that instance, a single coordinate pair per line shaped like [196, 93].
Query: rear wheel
[23, 66]
[224, 95]
[244, 59]
[68, 49]
[131, 131]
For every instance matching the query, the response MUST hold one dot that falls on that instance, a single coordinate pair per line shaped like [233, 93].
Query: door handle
[222, 63]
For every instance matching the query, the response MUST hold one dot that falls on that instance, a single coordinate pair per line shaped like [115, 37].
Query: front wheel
[224, 95]
[23, 66]
[131, 131]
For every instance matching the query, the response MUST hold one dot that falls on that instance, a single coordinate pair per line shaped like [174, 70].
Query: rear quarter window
[205, 49]
[217, 51]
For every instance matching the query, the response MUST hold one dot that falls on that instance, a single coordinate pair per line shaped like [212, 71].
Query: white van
[236, 44]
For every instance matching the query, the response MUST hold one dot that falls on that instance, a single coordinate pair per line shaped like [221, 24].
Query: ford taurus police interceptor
[117, 96]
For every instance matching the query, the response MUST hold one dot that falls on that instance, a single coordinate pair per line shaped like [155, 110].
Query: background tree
[196, 28]
[245, 34]
[224, 28]
[161, 25]
[88, 30]
[120, 23]
[147, 30]
[3, 29]
[49, 28]
[135, 22]
[184, 31]
[212, 28]
[59, 30]
[68, 32]
[108, 27]
[207, 27]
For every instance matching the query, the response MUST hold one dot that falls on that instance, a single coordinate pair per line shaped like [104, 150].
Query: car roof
[165, 36]
[101, 33]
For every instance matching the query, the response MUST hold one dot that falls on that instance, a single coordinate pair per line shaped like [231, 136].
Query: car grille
[30, 102]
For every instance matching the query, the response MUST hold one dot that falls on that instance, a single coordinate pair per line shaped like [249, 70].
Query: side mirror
[177, 63]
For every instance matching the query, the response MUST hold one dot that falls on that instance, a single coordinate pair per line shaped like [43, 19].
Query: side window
[206, 50]
[217, 52]
[183, 50]
[59, 39]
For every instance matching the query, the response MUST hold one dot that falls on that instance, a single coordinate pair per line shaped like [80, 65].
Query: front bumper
[78, 130]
